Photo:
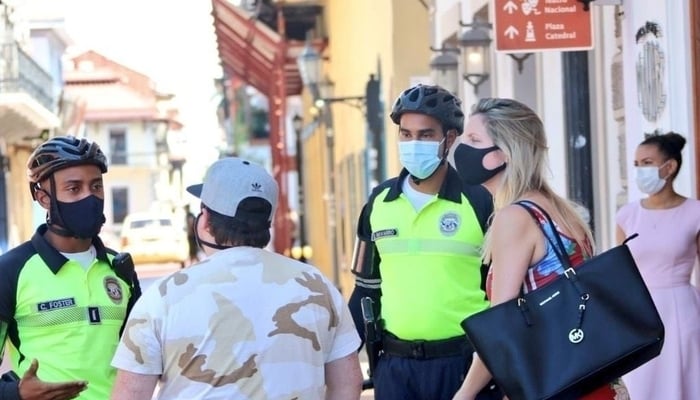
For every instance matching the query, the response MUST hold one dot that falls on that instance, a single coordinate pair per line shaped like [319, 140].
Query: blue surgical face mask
[649, 180]
[420, 157]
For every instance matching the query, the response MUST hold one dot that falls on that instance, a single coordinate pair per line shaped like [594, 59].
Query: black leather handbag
[590, 326]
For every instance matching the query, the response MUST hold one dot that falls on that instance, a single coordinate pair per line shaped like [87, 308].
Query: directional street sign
[537, 25]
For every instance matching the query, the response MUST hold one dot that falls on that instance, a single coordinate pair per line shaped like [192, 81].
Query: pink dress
[665, 252]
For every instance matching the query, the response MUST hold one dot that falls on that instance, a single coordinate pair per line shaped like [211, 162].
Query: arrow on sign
[510, 7]
[511, 32]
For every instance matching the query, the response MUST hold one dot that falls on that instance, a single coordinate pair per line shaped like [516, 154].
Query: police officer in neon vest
[417, 254]
[63, 296]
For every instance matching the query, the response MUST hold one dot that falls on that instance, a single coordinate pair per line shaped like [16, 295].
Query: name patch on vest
[56, 304]
[384, 233]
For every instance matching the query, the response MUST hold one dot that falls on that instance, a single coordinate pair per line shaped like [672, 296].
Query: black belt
[425, 349]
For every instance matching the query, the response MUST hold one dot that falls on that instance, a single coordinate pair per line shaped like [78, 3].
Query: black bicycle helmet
[433, 101]
[63, 152]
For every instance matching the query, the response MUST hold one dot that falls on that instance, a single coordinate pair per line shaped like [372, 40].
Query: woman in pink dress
[668, 225]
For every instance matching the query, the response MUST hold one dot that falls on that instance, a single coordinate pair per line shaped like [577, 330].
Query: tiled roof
[110, 90]
[113, 101]
[71, 77]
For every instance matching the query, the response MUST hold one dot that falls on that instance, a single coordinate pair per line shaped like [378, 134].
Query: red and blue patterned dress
[547, 270]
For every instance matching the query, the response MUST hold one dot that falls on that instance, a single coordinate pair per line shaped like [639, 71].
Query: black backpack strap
[123, 267]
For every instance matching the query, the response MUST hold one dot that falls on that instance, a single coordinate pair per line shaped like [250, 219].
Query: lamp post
[309, 63]
[326, 95]
[301, 252]
[475, 44]
[444, 69]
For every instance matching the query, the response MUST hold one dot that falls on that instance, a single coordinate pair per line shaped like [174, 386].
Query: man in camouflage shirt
[245, 323]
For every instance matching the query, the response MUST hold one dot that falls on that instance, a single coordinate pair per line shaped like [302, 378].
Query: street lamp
[444, 69]
[326, 90]
[309, 63]
[299, 252]
[475, 44]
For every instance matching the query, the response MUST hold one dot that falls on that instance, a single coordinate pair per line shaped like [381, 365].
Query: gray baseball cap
[238, 188]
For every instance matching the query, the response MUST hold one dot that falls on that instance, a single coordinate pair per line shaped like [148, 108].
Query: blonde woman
[519, 254]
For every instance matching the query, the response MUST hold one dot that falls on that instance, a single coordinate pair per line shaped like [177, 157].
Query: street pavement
[149, 273]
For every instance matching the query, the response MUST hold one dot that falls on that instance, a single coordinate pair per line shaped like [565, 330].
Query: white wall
[607, 155]
[540, 86]
[613, 144]
[551, 110]
[673, 18]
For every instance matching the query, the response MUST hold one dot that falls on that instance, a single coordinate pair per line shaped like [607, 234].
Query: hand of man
[32, 388]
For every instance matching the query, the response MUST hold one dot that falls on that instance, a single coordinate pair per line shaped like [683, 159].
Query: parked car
[154, 238]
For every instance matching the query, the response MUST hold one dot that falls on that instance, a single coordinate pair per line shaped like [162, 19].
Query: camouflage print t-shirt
[244, 324]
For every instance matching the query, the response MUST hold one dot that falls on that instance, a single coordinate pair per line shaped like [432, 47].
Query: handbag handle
[558, 247]
[576, 334]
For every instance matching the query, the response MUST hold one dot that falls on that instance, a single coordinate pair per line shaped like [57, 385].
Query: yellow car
[154, 238]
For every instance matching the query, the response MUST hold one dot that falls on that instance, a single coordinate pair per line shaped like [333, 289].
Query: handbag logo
[575, 335]
[548, 299]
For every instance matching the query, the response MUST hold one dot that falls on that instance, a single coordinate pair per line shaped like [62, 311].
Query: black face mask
[469, 162]
[82, 219]
[201, 242]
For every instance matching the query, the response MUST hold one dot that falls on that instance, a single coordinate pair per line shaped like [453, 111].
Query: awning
[253, 52]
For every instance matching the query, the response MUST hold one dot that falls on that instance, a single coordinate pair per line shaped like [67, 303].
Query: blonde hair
[519, 133]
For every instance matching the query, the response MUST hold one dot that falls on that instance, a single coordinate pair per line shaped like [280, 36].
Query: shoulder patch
[449, 223]
[113, 289]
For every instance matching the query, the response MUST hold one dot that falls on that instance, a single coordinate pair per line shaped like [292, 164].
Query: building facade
[30, 88]
[636, 82]
[135, 127]
[596, 104]
[386, 41]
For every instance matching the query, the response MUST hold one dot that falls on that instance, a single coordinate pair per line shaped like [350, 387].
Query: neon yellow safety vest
[430, 262]
[62, 315]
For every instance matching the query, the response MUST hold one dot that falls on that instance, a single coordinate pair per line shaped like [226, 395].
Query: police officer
[418, 256]
[63, 297]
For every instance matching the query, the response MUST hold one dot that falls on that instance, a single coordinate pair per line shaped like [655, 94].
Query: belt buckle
[418, 349]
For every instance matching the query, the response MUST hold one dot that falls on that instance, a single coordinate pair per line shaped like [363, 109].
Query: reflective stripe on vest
[71, 315]
[399, 246]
